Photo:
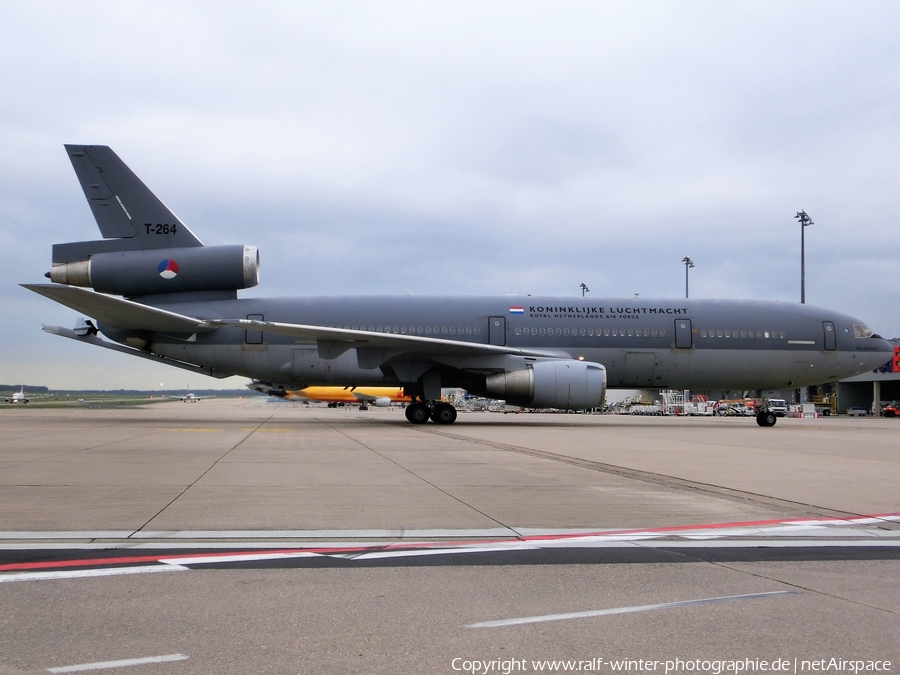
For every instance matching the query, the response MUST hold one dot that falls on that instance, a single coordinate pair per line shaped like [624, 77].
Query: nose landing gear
[766, 419]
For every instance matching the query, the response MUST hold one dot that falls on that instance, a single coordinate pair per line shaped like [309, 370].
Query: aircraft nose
[883, 346]
[877, 351]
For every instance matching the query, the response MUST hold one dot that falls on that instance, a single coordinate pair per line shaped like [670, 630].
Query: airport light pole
[805, 221]
[584, 289]
[688, 264]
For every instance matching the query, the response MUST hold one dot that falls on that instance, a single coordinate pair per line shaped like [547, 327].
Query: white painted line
[78, 574]
[719, 529]
[237, 557]
[118, 664]
[98, 534]
[564, 542]
[273, 534]
[777, 543]
[322, 534]
[434, 551]
[623, 610]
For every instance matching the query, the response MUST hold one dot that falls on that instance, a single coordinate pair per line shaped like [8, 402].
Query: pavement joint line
[758, 575]
[200, 477]
[626, 610]
[660, 479]
[75, 452]
[413, 473]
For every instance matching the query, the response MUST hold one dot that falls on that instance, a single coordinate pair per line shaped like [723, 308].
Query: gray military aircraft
[180, 306]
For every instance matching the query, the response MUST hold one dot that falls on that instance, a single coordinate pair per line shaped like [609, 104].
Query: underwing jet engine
[561, 384]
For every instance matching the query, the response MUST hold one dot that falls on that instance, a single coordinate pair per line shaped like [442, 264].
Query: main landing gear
[441, 413]
[766, 419]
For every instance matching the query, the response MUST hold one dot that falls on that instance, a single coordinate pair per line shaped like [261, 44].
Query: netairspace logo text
[708, 666]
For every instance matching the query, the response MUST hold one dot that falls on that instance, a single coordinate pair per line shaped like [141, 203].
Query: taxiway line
[624, 610]
[121, 663]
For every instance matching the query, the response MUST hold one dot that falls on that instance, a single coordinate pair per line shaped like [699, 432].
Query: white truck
[778, 406]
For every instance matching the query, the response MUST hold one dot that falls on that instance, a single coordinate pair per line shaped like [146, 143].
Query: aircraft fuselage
[678, 344]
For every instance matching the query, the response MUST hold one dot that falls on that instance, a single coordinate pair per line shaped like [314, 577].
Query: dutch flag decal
[515, 309]
[168, 269]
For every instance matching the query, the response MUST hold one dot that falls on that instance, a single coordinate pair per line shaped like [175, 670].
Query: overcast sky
[461, 148]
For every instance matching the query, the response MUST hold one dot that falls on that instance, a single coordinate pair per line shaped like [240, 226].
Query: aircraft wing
[120, 313]
[373, 348]
[333, 342]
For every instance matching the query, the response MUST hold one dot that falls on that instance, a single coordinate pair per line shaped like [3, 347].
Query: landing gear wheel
[444, 413]
[766, 419]
[417, 413]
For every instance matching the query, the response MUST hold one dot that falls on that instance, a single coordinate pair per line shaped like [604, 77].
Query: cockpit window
[861, 331]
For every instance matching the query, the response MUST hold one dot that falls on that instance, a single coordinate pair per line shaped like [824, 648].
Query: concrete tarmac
[611, 514]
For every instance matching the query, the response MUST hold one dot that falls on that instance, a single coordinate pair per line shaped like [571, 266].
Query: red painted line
[124, 560]
[402, 546]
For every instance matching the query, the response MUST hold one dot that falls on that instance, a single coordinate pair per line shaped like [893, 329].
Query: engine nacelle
[382, 402]
[567, 385]
[164, 270]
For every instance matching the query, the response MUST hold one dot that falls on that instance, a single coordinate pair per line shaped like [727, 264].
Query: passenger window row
[590, 332]
[762, 334]
[584, 332]
[418, 330]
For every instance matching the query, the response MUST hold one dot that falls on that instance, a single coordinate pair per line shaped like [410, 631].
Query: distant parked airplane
[19, 396]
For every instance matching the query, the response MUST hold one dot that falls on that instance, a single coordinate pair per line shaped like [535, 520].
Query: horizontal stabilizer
[118, 313]
[98, 342]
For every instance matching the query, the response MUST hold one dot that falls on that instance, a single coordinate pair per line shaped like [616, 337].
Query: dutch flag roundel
[168, 269]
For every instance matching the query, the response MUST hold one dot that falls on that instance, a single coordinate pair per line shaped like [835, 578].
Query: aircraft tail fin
[125, 209]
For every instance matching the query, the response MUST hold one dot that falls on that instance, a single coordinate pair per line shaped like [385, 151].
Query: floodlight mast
[805, 221]
[688, 264]
[584, 288]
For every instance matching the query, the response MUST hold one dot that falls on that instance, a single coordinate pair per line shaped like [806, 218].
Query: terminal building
[862, 391]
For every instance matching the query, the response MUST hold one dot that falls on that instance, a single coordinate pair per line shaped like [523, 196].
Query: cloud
[466, 148]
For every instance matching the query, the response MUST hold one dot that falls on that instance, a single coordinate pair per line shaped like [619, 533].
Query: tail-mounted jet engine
[567, 385]
[164, 270]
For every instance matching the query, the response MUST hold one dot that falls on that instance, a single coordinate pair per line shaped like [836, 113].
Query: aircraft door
[254, 337]
[830, 338]
[497, 330]
[683, 334]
